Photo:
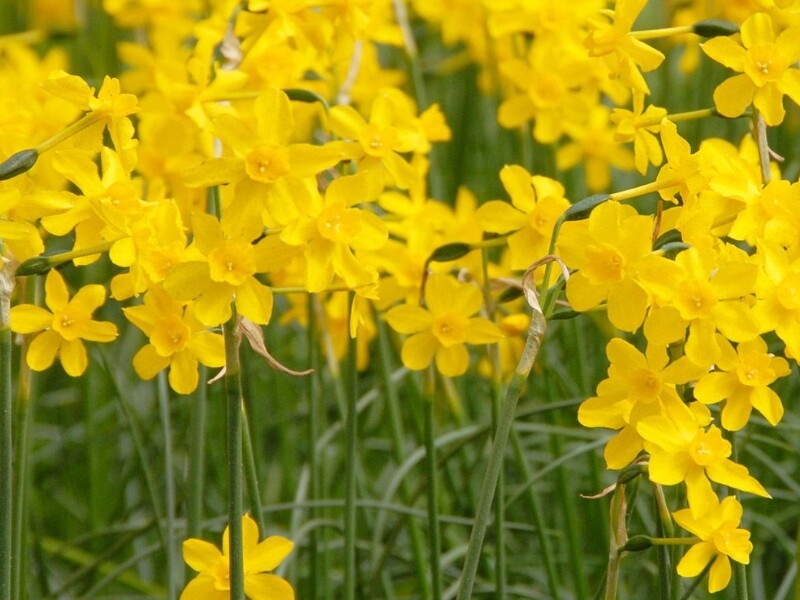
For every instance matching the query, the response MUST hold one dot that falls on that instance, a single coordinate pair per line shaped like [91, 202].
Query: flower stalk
[233, 401]
[6, 441]
[514, 390]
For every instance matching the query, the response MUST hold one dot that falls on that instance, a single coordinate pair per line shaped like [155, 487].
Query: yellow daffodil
[721, 539]
[594, 146]
[686, 173]
[708, 289]
[62, 329]
[778, 291]
[605, 249]
[442, 330]
[537, 202]
[640, 126]
[624, 54]
[685, 449]
[766, 66]
[742, 381]
[330, 229]
[213, 566]
[638, 386]
[177, 340]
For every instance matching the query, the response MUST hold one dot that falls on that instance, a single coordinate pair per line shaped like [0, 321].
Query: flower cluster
[262, 149]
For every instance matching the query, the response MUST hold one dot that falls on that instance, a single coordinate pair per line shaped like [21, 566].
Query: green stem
[518, 381]
[233, 402]
[24, 420]
[434, 538]
[194, 508]
[497, 393]
[6, 441]
[351, 432]
[617, 539]
[251, 474]
[665, 529]
[169, 483]
[739, 570]
[760, 127]
[315, 541]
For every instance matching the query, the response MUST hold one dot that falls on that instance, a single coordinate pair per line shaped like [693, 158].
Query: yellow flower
[640, 126]
[742, 381]
[64, 326]
[330, 230]
[213, 580]
[537, 202]
[443, 329]
[721, 540]
[623, 53]
[605, 250]
[177, 340]
[638, 386]
[594, 146]
[709, 291]
[765, 64]
[683, 450]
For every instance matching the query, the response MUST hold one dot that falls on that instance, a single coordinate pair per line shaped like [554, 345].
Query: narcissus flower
[213, 580]
[684, 448]
[623, 53]
[64, 327]
[721, 539]
[177, 340]
[537, 202]
[443, 328]
[743, 381]
[605, 250]
[638, 386]
[765, 63]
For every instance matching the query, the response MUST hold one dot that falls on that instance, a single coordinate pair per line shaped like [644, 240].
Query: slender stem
[434, 538]
[619, 535]
[513, 391]
[653, 34]
[420, 90]
[24, 421]
[663, 529]
[497, 393]
[739, 569]
[760, 126]
[6, 441]
[233, 401]
[194, 508]
[169, 483]
[350, 426]
[315, 541]
[251, 474]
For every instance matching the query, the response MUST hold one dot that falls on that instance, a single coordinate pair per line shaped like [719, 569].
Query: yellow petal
[28, 318]
[43, 349]
[734, 95]
[73, 357]
[267, 555]
[254, 301]
[200, 555]
[408, 318]
[183, 376]
[452, 361]
[418, 350]
[725, 51]
[148, 363]
[264, 585]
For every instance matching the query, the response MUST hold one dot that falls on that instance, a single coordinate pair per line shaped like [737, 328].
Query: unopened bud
[18, 163]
